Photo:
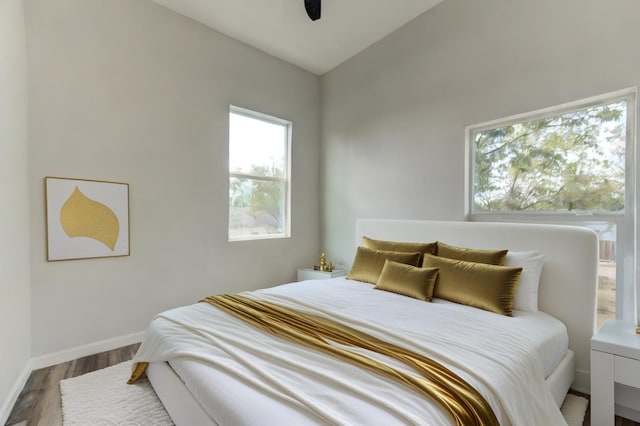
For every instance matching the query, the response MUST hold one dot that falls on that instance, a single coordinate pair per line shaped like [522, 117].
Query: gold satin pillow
[399, 246]
[491, 257]
[488, 287]
[407, 280]
[368, 263]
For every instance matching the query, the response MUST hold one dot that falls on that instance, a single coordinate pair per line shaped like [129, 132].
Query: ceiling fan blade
[313, 9]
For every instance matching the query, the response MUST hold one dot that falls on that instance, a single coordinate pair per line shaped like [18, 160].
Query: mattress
[546, 334]
[441, 329]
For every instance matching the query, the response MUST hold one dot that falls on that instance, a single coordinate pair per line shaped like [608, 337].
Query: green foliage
[571, 162]
[257, 203]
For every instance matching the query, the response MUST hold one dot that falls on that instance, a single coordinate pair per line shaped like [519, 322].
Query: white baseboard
[582, 382]
[627, 402]
[14, 393]
[627, 413]
[58, 357]
[85, 350]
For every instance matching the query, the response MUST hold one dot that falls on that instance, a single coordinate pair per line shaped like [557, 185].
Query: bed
[523, 365]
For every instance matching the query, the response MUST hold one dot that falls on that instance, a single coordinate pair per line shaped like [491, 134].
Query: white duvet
[244, 376]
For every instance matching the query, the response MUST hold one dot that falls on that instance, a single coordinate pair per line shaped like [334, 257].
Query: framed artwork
[86, 219]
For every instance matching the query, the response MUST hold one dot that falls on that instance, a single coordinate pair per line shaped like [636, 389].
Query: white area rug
[573, 409]
[103, 398]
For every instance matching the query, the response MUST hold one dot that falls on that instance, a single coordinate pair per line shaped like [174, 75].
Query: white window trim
[286, 232]
[627, 295]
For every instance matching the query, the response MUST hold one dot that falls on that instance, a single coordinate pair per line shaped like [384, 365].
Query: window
[571, 164]
[259, 175]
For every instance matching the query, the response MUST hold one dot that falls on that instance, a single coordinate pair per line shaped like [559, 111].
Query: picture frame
[86, 219]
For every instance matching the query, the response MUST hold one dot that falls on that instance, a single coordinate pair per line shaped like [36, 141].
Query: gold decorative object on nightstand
[323, 264]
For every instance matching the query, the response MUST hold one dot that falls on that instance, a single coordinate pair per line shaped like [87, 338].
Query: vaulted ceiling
[282, 28]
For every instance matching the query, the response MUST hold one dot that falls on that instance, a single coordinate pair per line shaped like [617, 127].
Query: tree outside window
[569, 162]
[258, 175]
[566, 164]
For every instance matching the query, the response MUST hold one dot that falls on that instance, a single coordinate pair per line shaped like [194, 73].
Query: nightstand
[312, 274]
[615, 358]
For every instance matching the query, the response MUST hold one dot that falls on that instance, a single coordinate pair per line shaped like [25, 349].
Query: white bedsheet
[264, 380]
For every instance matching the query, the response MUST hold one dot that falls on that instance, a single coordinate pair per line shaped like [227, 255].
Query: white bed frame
[568, 288]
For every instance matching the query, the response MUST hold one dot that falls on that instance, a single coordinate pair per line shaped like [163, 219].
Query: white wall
[394, 115]
[15, 310]
[129, 91]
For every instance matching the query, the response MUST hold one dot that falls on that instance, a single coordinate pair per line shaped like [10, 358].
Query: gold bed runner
[465, 405]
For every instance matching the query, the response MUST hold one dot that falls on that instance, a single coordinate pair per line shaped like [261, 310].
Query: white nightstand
[615, 358]
[312, 274]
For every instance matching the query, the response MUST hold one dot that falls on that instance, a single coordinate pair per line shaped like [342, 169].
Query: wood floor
[39, 401]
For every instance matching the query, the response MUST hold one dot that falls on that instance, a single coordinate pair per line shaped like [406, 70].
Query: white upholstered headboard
[568, 285]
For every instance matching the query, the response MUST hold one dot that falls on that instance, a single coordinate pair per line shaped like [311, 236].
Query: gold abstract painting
[86, 218]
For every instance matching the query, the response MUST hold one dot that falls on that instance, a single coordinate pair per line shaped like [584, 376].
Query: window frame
[284, 180]
[627, 294]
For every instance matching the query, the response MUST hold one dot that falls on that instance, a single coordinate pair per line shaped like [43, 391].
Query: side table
[312, 274]
[615, 358]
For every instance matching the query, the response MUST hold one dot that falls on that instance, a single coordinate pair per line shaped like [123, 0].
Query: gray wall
[393, 117]
[129, 91]
[15, 306]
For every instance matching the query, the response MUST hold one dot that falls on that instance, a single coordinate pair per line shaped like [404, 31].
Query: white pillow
[526, 297]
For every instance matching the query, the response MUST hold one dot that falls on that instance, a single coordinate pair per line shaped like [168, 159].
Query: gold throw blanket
[465, 405]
